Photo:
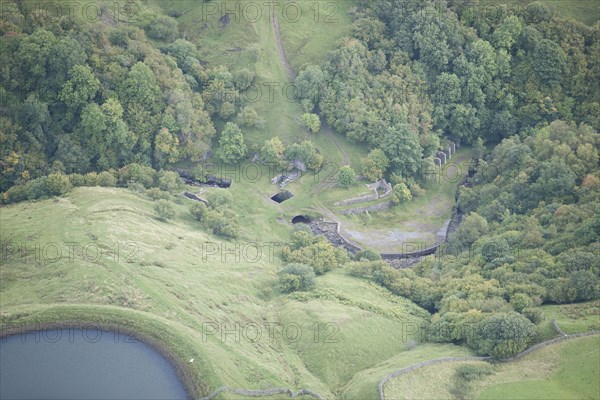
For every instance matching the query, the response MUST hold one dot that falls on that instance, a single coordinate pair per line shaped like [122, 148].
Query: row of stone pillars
[444, 155]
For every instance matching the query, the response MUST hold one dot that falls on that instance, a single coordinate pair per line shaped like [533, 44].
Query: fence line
[538, 346]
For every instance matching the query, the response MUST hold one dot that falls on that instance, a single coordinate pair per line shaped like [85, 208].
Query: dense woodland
[111, 104]
[519, 78]
[416, 74]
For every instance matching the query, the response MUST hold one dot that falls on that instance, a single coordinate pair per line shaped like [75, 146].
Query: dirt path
[281, 50]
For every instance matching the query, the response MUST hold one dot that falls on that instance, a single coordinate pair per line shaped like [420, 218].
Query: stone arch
[301, 219]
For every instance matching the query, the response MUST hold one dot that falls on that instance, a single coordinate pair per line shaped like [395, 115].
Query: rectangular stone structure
[441, 155]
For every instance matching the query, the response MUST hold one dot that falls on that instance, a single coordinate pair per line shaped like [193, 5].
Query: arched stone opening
[300, 219]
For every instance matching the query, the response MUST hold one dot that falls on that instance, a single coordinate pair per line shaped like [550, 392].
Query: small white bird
[191, 360]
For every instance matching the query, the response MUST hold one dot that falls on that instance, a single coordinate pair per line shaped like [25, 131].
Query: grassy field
[130, 268]
[315, 30]
[575, 318]
[567, 370]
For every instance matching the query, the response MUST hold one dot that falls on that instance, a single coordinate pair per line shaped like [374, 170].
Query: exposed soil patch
[281, 50]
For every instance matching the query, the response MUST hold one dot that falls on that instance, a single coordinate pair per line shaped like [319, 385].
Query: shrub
[416, 190]
[503, 335]
[36, 189]
[162, 28]
[169, 180]
[136, 187]
[535, 315]
[243, 79]
[312, 122]
[248, 117]
[198, 211]
[346, 177]
[375, 165]
[220, 198]
[222, 222]
[295, 277]
[137, 173]
[164, 209]
[301, 227]
[57, 184]
[15, 194]
[77, 180]
[107, 179]
[401, 193]
[157, 194]
[91, 179]
[368, 255]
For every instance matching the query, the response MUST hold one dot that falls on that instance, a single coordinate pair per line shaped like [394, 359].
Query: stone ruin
[381, 184]
[209, 180]
[295, 171]
[442, 156]
[375, 187]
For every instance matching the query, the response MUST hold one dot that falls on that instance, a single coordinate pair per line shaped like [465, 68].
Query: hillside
[249, 188]
[129, 267]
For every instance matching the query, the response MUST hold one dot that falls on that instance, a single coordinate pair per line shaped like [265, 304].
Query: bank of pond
[84, 364]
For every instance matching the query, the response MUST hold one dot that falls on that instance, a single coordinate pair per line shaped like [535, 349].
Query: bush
[220, 198]
[312, 122]
[136, 187]
[368, 255]
[243, 79]
[107, 179]
[91, 179]
[157, 194]
[401, 193]
[169, 180]
[36, 189]
[164, 209]
[137, 173]
[296, 277]
[520, 301]
[223, 223]
[77, 180]
[301, 227]
[162, 28]
[248, 117]
[198, 211]
[57, 184]
[535, 315]
[15, 194]
[503, 335]
[375, 165]
[346, 177]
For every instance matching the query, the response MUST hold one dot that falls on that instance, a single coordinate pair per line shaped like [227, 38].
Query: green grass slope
[566, 370]
[129, 269]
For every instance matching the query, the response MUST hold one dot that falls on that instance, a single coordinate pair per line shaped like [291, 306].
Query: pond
[84, 364]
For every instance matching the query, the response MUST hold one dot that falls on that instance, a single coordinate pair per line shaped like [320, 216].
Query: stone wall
[362, 210]
[265, 392]
[359, 199]
[331, 231]
[413, 367]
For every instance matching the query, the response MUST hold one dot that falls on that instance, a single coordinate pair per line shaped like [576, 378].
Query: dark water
[84, 364]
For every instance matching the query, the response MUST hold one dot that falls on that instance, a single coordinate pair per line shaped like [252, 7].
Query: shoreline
[183, 372]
